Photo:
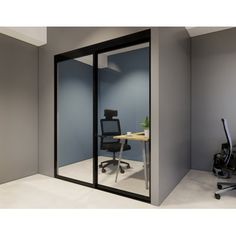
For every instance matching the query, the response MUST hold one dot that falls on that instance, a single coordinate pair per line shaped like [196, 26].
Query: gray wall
[174, 108]
[126, 90]
[62, 39]
[213, 94]
[18, 109]
[75, 112]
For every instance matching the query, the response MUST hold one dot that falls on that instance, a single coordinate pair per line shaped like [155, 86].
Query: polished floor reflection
[82, 170]
[132, 180]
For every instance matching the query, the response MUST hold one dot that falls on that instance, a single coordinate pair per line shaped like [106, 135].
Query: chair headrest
[110, 113]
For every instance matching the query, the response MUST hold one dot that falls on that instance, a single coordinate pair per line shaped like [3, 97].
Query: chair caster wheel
[122, 171]
[100, 166]
[217, 196]
[103, 171]
[128, 166]
[219, 186]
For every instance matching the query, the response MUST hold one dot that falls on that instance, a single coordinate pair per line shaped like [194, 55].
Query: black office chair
[111, 127]
[224, 164]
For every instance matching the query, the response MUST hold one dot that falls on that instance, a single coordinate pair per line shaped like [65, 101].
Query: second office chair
[224, 164]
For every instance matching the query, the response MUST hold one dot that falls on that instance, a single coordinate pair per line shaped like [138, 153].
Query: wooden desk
[135, 137]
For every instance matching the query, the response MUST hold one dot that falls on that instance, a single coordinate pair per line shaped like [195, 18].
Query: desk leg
[145, 164]
[120, 156]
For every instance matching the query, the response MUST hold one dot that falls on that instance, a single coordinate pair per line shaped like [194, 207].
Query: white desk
[135, 137]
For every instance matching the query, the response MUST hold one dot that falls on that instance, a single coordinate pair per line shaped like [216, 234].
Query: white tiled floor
[196, 190]
[39, 191]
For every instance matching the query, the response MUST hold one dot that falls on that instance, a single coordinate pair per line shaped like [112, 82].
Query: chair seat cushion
[115, 147]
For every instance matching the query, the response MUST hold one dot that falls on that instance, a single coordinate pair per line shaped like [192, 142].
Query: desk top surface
[134, 136]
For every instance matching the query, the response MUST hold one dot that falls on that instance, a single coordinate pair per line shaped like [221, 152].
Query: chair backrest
[110, 127]
[229, 141]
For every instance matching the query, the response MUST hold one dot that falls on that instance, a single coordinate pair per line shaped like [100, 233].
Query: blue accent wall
[126, 89]
[75, 110]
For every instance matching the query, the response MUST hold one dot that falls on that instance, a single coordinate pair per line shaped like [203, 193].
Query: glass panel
[123, 86]
[75, 118]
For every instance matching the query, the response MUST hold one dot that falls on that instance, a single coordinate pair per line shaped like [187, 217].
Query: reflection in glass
[123, 90]
[75, 118]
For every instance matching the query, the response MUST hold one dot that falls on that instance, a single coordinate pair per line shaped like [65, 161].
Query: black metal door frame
[117, 43]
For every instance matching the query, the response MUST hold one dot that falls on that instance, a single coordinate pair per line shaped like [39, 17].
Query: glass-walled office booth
[102, 116]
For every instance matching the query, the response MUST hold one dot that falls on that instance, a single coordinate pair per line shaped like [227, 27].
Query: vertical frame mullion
[55, 117]
[95, 119]
[150, 113]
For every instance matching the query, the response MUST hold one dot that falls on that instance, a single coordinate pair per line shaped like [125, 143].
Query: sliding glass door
[75, 118]
[101, 92]
[123, 89]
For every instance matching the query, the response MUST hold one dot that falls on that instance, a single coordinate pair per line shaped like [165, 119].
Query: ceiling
[33, 35]
[195, 31]
[38, 35]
